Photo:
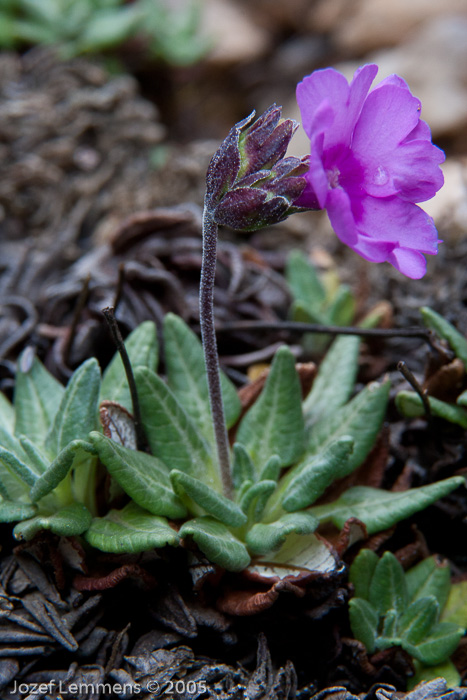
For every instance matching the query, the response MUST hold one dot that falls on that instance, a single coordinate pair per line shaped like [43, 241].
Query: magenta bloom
[371, 160]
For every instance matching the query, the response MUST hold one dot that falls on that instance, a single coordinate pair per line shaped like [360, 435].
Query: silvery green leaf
[380, 509]
[211, 501]
[172, 435]
[70, 520]
[254, 499]
[390, 626]
[108, 28]
[388, 590]
[262, 539]
[242, 466]
[143, 477]
[132, 529]
[217, 543]
[186, 376]
[446, 330]
[361, 572]
[364, 622]
[77, 414]
[438, 646]
[361, 418]
[142, 348]
[14, 511]
[304, 281]
[418, 620]
[334, 381]
[274, 424]
[410, 405]
[314, 474]
[431, 577]
[59, 468]
[37, 399]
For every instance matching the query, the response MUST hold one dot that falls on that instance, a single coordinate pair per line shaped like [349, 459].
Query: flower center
[333, 177]
[380, 176]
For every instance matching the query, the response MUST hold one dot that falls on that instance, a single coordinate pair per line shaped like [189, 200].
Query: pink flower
[371, 160]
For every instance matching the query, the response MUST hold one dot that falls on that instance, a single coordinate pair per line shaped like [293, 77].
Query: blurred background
[110, 110]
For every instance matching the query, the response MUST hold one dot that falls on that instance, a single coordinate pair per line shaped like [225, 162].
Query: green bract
[287, 452]
[393, 608]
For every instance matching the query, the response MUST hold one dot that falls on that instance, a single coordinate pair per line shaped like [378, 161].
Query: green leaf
[131, 529]
[388, 590]
[37, 399]
[274, 425]
[439, 646]
[186, 376]
[172, 436]
[142, 348]
[242, 467]
[447, 331]
[380, 509]
[77, 414]
[430, 577]
[17, 467]
[361, 572]
[263, 539]
[455, 609]
[212, 502]
[71, 520]
[13, 511]
[312, 477]
[59, 468]
[143, 477]
[445, 670]
[12, 487]
[109, 28]
[410, 405]
[217, 543]
[389, 630]
[38, 461]
[335, 380]
[364, 622]
[271, 470]
[361, 418]
[7, 413]
[418, 620]
[341, 310]
[304, 282]
[254, 499]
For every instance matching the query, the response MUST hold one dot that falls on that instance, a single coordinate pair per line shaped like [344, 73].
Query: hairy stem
[208, 336]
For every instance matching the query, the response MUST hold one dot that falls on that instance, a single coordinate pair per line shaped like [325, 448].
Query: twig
[79, 306]
[109, 314]
[409, 376]
[297, 327]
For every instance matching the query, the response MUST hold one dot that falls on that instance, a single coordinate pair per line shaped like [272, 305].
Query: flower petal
[341, 216]
[389, 114]
[410, 262]
[325, 85]
[398, 222]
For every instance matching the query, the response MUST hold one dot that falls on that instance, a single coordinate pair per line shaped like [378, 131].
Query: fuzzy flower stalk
[249, 184]
[371, 162]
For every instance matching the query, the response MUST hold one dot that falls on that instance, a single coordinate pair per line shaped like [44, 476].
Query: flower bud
[250, 184]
